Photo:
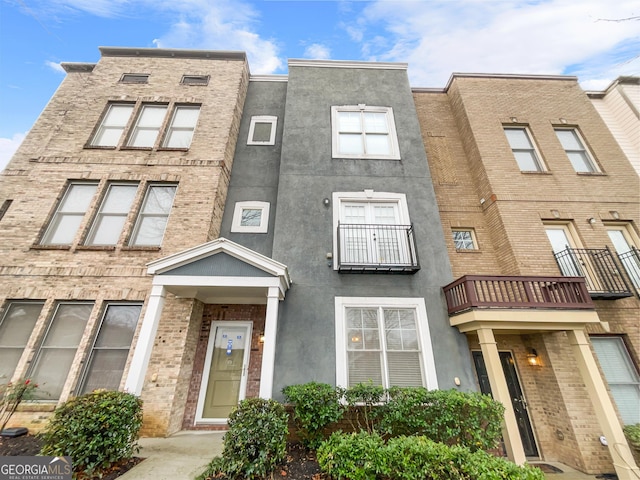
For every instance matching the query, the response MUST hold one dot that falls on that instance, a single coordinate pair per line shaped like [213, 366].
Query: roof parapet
[294, 62]
[77, 67]
[172, 53]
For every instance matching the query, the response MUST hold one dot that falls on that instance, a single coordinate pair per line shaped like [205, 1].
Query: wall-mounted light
[591, 220]
[261, 337]
[532, 358]
[326, 202]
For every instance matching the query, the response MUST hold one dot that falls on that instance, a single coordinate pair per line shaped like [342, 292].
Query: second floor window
[523, 149]
[580, 158]
[362, 131]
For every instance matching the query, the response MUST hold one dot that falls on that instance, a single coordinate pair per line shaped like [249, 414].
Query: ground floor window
[621, 374]
[385, 341]
[16, 326]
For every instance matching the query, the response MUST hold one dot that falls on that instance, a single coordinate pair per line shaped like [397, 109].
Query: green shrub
[355, 456]
[96, 430]
[315, 405]
[363, 401]
[255, 443]
[447, 416]
[632, 432]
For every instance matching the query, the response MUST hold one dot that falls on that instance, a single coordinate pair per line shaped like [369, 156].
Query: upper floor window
[262, 130]
[112, 126]
[147, 126]
[68, 216]
[464, 239]
[180, 130]
[195, 80]
[154, 215]
[135, 78]
[579, 157]
[361, 131]
[108, 224]
[523, 149]
[250, 217]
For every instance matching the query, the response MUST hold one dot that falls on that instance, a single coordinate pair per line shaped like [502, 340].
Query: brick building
[534, 193]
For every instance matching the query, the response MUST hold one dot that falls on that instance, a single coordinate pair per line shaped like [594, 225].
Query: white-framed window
[71, 210]
[135, 78]
[523, 149]
[154, 215]
[625, 242]
[110, 350]
[53, 358]
[183, 124]
[195, 80]
[562, 237]
[109, 222]
[262, 130]
[147, 126]
[579, 156]
[384, 340]
[16, 327]
[362, 131]
[250, 217]
[621, 374]
[464, 238]
[112, 125]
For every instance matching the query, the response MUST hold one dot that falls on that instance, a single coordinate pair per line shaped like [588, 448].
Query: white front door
[224, 378]
[622, 242]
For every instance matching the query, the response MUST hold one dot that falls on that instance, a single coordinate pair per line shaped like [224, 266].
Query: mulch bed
[28, 445]
[301, 464]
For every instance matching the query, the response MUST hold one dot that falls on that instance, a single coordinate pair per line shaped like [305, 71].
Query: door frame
[534, 440]
[207, 368]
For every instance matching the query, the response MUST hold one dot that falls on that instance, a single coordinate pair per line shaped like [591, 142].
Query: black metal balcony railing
[599, 269]
[377, 249]
[631, 263]
[483, 291]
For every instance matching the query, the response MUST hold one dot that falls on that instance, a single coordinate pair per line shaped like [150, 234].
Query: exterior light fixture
[326, 202]
[591, 220]
[261, 337]
[532, 358]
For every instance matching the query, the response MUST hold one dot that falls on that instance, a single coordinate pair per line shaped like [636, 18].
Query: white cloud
[317, 51]
[8, 147]
[56, 67]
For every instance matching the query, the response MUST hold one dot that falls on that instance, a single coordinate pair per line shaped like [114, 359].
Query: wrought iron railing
[631, 263]
[599, 269]
[377, 249]
[482, 291]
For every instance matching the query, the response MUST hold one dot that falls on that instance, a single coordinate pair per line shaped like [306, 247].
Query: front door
[224, 378]
[517, 397]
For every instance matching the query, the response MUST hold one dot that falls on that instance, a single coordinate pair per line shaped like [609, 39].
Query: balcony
[481, 291]
[631, 263]
[376, 249]
[603, 276]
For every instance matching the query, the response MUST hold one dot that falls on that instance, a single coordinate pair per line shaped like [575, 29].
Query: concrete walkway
[185, 455]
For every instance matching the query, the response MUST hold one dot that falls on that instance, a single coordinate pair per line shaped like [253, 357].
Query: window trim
[588, 156]
[168, 128]
[273, 120]
[474, 240]
[430, 379]
[534, 148]
[89, 238]
[184, 81]
[362, 108]
[135, 78]
[98, 130]
[139, 215]
[134, 128]
[236, 226]
[4, 318]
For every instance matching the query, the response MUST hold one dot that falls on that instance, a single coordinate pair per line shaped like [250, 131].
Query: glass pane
[118, 326]
[619, 241]
[105, 370]
[370, 317]
[558, 239]
[152, 116]
[118, 116]
[18, 323]
[349, 122]
[186, 117]
[378, 145]
[179, 139]
[385, 214]
[404, 369]
[364, 367]
[9, 358]
[527, 161]
[159, 199]
[150, 231]
[108, 137]
[107, 230]
[355, 341]
[50, 372]
[251, 217]
[462, 240]
[518, 138]
[119, 198]
[569, 140]
[580, 162]
[63, 229]
[261, 132]
[394, 340]
[614, 360]
[144, 138]
[68, 325]
[627, 399]
[371, 339]
[78, 198]
[354, 318]
[350, 144]
[375, 122]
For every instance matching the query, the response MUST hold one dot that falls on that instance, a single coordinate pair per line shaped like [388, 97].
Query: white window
[262, 130]
[579, 157]
[523, 149]
[145, 132]
[135, 78]
[183, 124]
[563, 244]
[385, 341]
[621, 374]
[111, 348]
[464, 238]
[69, 215]
[624, 241]
[361, 131]
[250, 217]
[112, 125]
[53, 359]
[154, 215]
[112, 215]
[15, 329]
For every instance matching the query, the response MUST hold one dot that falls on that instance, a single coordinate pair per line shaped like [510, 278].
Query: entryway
[517, 397]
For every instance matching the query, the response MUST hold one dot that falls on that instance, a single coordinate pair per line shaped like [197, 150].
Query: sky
[595, 40]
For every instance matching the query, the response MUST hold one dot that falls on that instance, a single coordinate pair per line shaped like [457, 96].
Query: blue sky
[587, 38]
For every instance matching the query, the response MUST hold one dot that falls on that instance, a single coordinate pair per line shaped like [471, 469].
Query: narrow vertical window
[69, 215]
[110, 220]
[579, 157]
[153, 217]
[112, 126]
[183, 124]
[15, 329]
[523, 149]
[147, 126]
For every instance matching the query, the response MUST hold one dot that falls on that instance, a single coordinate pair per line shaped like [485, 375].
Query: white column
[500, 392]
[269, 346]
[623, 462]
[144, 345]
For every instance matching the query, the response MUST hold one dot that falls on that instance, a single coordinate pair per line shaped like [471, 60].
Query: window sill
[536, 172]
[468, 250]
[50, 247]
[144, 149]
[173, 149]
[107, 248]
[100, 147]
[37, 406]
[591, 174]
[361, 157]
[133, 248]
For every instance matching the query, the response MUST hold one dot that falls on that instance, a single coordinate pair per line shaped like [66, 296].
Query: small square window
[262, 130]
[135, 78]
[464, 239]
[195, 80]
[250, 217]
[523, 149]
